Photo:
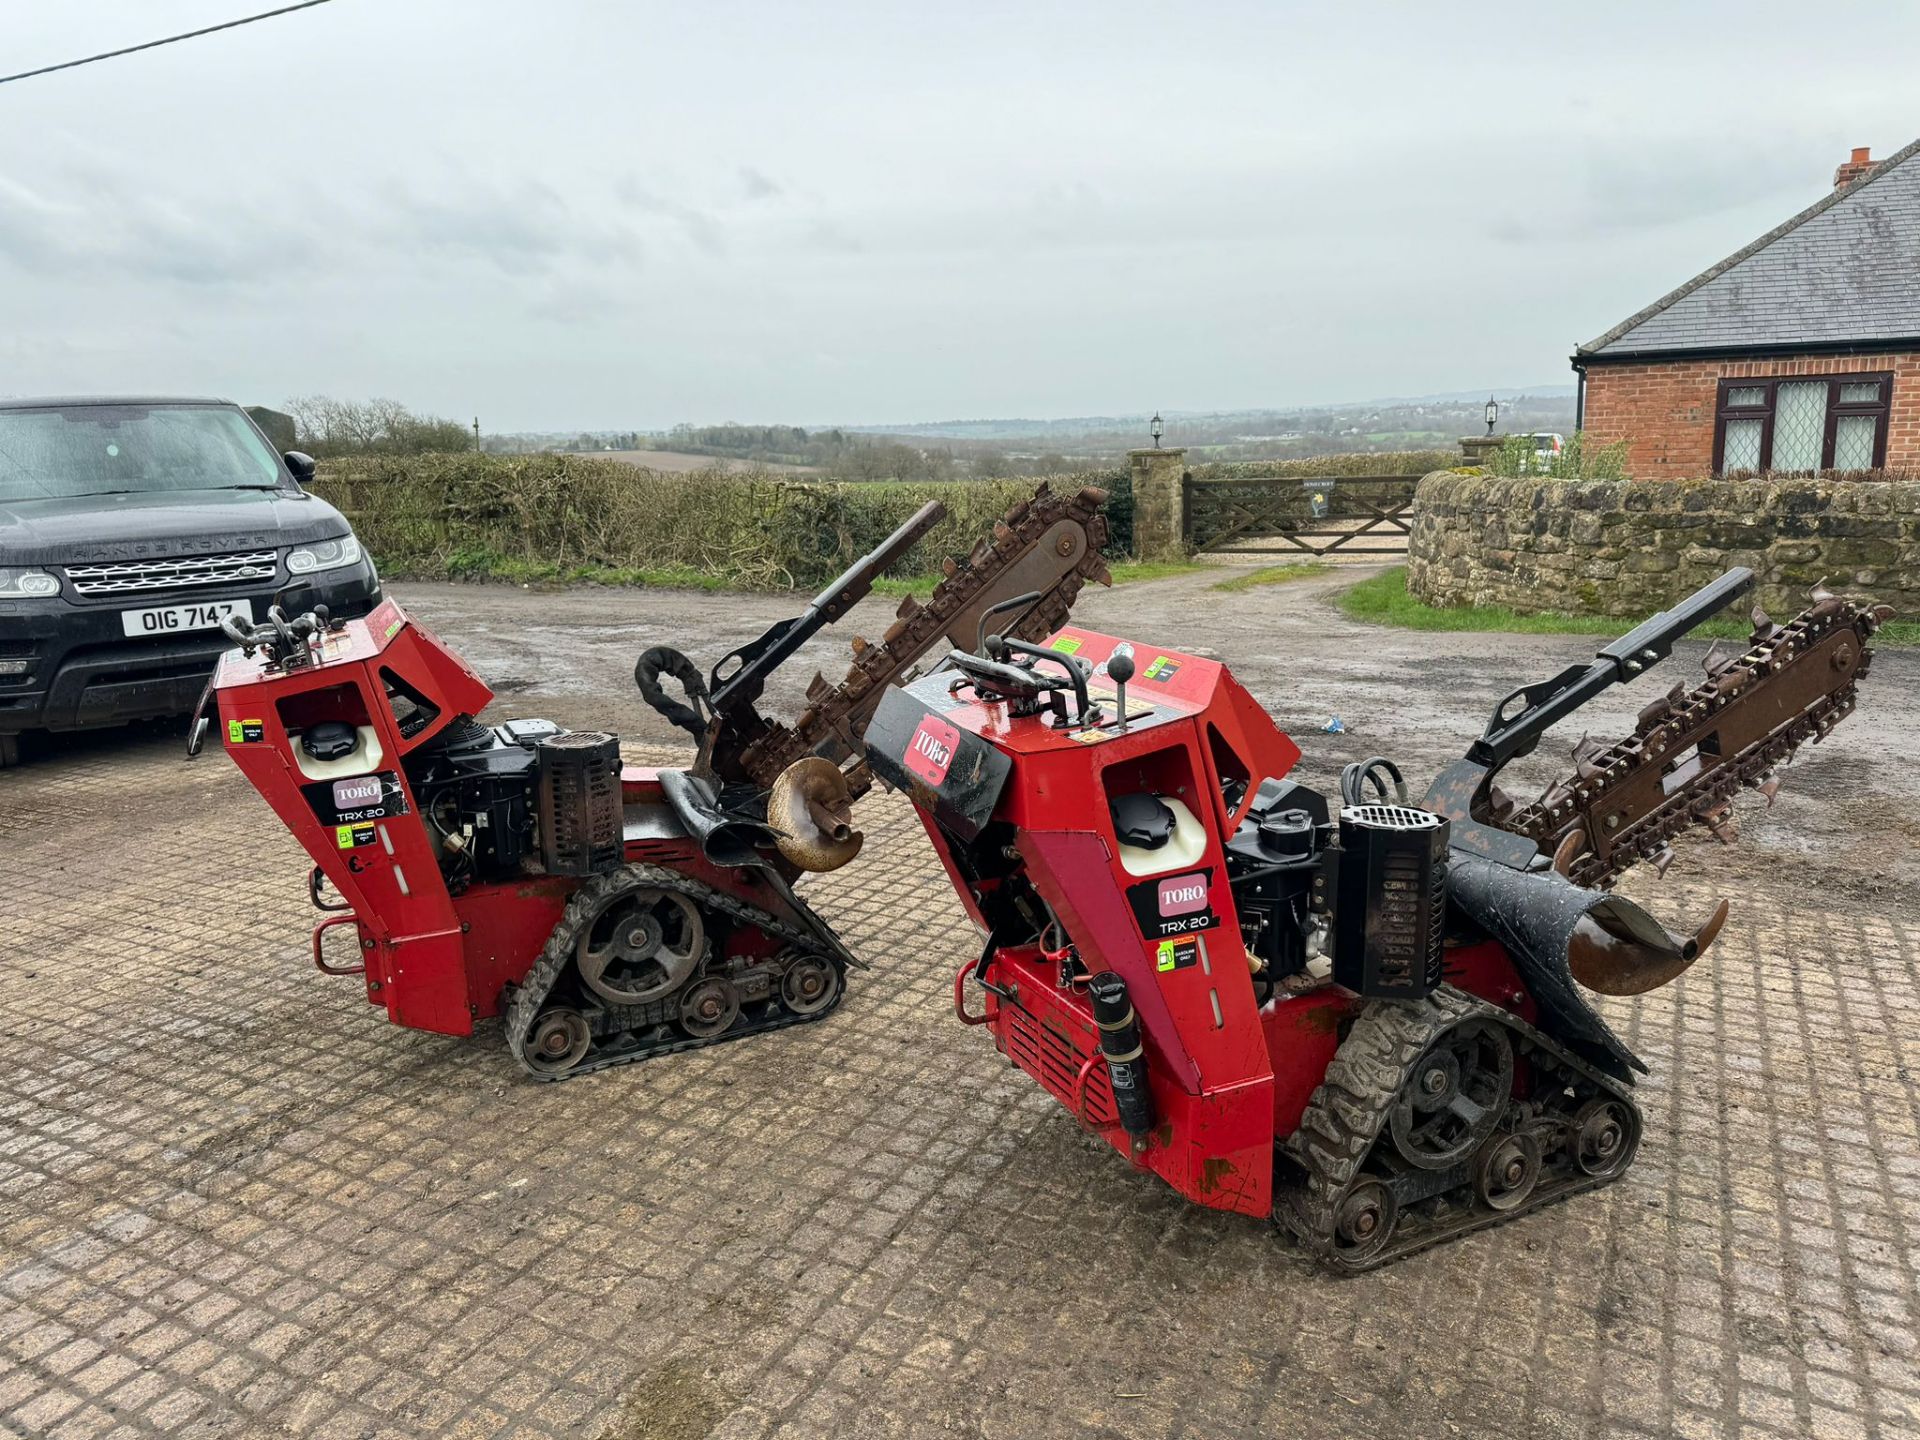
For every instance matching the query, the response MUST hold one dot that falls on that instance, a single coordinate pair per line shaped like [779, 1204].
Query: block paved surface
[234, 1201]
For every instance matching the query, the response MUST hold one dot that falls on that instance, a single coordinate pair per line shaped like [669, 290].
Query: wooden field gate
[1311, 515]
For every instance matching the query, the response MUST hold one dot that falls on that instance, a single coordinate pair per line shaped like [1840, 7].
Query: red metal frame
[434, 960]
[320, 961]
[1229, 1076]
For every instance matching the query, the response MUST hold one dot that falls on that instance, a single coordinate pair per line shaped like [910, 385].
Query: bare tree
[325, 427]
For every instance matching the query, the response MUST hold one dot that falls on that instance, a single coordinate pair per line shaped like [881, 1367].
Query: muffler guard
[1561, 935]
[726, 839]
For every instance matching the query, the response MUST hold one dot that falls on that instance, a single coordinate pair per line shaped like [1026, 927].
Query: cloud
[644, 214]
[85, 225]
[1635, 187]
[520, 228]
[758, 186]
[699, 226]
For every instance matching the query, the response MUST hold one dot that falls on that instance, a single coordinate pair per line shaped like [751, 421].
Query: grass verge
[1125, 572]
[1273, 575]
[499, 570]
[1383, 600]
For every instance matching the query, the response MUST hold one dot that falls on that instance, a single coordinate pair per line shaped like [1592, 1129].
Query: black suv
[129, 529]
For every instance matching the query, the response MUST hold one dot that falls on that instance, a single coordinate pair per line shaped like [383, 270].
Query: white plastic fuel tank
[1184, 849]
[365, 756]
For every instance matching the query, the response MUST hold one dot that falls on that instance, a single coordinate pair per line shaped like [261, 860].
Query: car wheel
[9, 751]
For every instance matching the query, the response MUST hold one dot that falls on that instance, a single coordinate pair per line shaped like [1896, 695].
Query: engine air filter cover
[580, 811]
[1388, 931]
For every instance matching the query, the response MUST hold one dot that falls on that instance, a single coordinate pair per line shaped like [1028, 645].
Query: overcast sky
[603, 213]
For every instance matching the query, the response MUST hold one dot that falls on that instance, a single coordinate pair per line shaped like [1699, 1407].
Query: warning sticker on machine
[1162, 669]
[244, 732]
[350, 836]
[1177, 954]
[1066, 644]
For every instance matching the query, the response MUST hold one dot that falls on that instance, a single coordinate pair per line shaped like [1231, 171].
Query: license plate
[171, 619]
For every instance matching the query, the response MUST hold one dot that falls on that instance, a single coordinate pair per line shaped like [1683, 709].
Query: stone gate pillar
[1478, 449]
[1159, 503]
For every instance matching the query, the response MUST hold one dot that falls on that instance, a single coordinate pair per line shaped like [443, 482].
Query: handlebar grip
[646, 675]
[1077, 670]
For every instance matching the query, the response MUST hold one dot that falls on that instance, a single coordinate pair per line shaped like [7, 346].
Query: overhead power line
[169, 40]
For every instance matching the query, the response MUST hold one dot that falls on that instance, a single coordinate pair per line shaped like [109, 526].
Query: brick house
[1799, 353]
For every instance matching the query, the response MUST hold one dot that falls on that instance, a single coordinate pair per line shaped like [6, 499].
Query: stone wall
[1628, 548]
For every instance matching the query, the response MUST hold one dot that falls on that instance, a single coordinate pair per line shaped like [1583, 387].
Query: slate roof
[1845, 270]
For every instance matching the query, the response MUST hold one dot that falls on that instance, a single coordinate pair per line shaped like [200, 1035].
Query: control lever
[1120, 671]
[980, 640]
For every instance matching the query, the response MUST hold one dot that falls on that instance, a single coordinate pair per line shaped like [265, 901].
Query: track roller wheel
[809, 986]
[642, 945]
[558, 1042]
[1604, 1138]
[1454, 1095]
[1506, 1170]
[1363, 1222]
[709, 1007]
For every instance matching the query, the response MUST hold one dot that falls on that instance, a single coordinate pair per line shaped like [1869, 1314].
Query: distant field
[680, 464]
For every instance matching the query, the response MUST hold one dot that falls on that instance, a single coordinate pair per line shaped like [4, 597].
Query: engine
[492, 796]
[1360, 897]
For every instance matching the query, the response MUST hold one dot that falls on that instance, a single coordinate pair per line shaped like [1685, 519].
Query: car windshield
[128, 449]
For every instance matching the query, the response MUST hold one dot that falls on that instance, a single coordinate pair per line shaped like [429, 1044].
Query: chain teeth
[1601, 769]
[917, 624]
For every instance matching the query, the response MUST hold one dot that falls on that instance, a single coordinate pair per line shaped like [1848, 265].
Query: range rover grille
[198, 572]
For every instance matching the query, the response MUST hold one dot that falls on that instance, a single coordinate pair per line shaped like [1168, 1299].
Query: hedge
[469, 516]
[1363, 462]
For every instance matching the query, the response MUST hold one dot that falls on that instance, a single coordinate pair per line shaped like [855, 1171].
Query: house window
[1821, 422]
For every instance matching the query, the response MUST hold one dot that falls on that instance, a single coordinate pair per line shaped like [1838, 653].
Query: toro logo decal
[1183, 894]
[1168, 905]
[931, 750]
[361, 790]
[354, 802]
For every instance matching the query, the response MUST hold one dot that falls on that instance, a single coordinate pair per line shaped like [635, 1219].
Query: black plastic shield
[951, 773]
[1536, 914]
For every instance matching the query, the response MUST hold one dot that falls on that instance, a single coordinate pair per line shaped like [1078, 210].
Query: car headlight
[27, 582]
[325, 555]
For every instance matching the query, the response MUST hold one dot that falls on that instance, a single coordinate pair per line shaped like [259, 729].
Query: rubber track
[562, 944]
[1350, 1107]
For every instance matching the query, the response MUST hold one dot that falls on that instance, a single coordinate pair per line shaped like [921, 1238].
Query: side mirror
[301, 464]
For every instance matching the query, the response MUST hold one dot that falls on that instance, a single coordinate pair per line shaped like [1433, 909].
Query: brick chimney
[1854, 168]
